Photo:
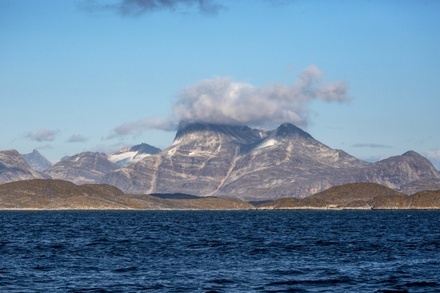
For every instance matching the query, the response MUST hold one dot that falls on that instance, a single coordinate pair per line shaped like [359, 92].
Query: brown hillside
[47, 194]
[347, 196]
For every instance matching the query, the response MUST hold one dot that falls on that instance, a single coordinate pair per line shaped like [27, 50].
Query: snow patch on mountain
[126, 156]
[267, 143]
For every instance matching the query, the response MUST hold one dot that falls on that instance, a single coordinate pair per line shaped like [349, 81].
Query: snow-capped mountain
[13, 167]
[37, 161]
[134, 154]
[237, 161]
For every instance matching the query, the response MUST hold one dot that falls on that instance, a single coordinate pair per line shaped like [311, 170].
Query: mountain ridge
[237, 161]
[37, 161]
[225, 160]
[13, 167]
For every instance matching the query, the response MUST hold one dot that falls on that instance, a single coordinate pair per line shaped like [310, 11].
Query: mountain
[400, 170]
[197, 162]
[13, 167]
[86, 167]
[237, 162]
[62, 195]
[420, 185]
[37, 161]
[287, 163]
[250, 164]
[136, 153]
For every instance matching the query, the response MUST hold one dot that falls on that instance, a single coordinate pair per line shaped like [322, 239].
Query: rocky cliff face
[87, 167]
[236, 161]
[13, 167]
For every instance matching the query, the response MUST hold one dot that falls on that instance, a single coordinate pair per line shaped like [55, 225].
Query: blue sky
[362, 76]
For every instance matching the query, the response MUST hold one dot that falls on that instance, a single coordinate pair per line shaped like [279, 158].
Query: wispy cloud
[435, 154]
[371, 145]
[224, 101]
[136, 128]
[140, 7]
[434, 157]
[77, 138]
[42, 135]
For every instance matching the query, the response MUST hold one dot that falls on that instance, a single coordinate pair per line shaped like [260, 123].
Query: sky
[96, 75]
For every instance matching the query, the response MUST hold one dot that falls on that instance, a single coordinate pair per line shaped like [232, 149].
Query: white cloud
[371, 145]
[435, 154]
[138, 127]
[42, 135]
[224, 101]
[434, 157]
[139, 7]
[76, 138]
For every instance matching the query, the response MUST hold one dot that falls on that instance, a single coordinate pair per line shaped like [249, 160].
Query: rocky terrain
[37, 161]
[86, 167]
[359, 196]
[233, 161]
[13, 167]
[250, 164]
[51, 194]
[134, 154]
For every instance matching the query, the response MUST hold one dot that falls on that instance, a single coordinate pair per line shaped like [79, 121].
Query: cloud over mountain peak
[223, 101]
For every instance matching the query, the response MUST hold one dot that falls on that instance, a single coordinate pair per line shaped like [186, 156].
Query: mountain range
[238, 162]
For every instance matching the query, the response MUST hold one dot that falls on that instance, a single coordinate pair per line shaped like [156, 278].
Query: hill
[359, 196]
[49, 194]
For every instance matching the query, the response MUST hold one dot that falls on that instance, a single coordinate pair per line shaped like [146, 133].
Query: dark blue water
[251, 251]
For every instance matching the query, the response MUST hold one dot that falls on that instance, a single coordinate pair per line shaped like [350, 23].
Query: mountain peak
[37, 161]
[412, 154]
[240, 133]
[145, 148]
[288, 129]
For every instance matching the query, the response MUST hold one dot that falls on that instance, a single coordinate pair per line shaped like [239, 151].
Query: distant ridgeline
[54, 194]
[230, 162]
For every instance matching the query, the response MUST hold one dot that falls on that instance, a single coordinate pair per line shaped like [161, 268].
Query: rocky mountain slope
[134, 154]
[240, 162]
[86, 167]
[420, 185]
[13, 167]
[37, 161]
[235, 161]
[62, 195]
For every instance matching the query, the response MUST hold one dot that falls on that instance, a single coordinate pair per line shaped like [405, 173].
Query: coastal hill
[54, 194]
[359, 196]
[51, 194]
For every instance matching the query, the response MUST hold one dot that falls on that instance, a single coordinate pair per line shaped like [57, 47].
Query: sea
[220, 251]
